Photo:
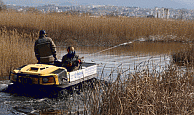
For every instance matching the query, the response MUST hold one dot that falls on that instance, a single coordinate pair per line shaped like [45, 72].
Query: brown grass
[16, 50]
[184, 56]
[144, 92]
[104, 31]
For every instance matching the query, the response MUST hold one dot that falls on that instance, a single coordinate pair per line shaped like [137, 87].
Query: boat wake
[4, 85]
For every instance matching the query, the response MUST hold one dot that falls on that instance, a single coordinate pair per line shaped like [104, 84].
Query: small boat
[44, 76]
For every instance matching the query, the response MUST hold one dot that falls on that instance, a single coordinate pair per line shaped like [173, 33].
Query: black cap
[42, 32]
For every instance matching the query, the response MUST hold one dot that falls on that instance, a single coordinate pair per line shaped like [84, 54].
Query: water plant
[142, 92]
[16, 50]
[184, 56]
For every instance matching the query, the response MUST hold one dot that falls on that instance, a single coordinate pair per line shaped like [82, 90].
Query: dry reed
[103, 31]
[16, 50]
[170, 91]
[145, 92]
[184, 56]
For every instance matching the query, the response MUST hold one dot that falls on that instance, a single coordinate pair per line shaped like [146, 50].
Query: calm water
[134, 57]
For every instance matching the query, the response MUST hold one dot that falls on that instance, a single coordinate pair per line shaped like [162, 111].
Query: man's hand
[38, 58]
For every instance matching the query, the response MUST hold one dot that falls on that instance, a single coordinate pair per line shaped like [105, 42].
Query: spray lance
[122, 44]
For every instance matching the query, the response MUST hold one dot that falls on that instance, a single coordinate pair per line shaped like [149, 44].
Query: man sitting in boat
[71, 61]
[45, 49]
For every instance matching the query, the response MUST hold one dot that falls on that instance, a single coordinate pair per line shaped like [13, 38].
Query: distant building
[103, 10]
[150, 16]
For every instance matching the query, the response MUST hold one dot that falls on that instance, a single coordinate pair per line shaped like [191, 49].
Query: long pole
[122, 44]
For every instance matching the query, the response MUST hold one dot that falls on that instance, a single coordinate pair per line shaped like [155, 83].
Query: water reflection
[136, 48]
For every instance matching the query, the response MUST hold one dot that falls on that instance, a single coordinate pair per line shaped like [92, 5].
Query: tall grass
[184, 56]
[170, 91]
[146, 92]
[85, 30]
[16, 50]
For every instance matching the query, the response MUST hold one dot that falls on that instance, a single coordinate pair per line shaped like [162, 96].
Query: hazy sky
[189, 4]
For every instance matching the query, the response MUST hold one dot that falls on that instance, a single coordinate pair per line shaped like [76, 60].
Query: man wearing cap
[71, 61]
[45, 49]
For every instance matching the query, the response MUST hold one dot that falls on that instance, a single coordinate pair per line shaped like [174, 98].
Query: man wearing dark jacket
[45, 49]
[71, 61]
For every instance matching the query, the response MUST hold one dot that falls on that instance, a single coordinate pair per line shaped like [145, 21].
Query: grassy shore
[101, 31]
[184, 57]
[144, 92]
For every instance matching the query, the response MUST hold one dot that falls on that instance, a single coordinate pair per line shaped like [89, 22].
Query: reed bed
[16, 50]
[184, 56]
[142, 92]
[101, 31]
[145, 92]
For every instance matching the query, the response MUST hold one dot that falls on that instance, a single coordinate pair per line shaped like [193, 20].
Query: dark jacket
[45, 50]
[71, 62]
